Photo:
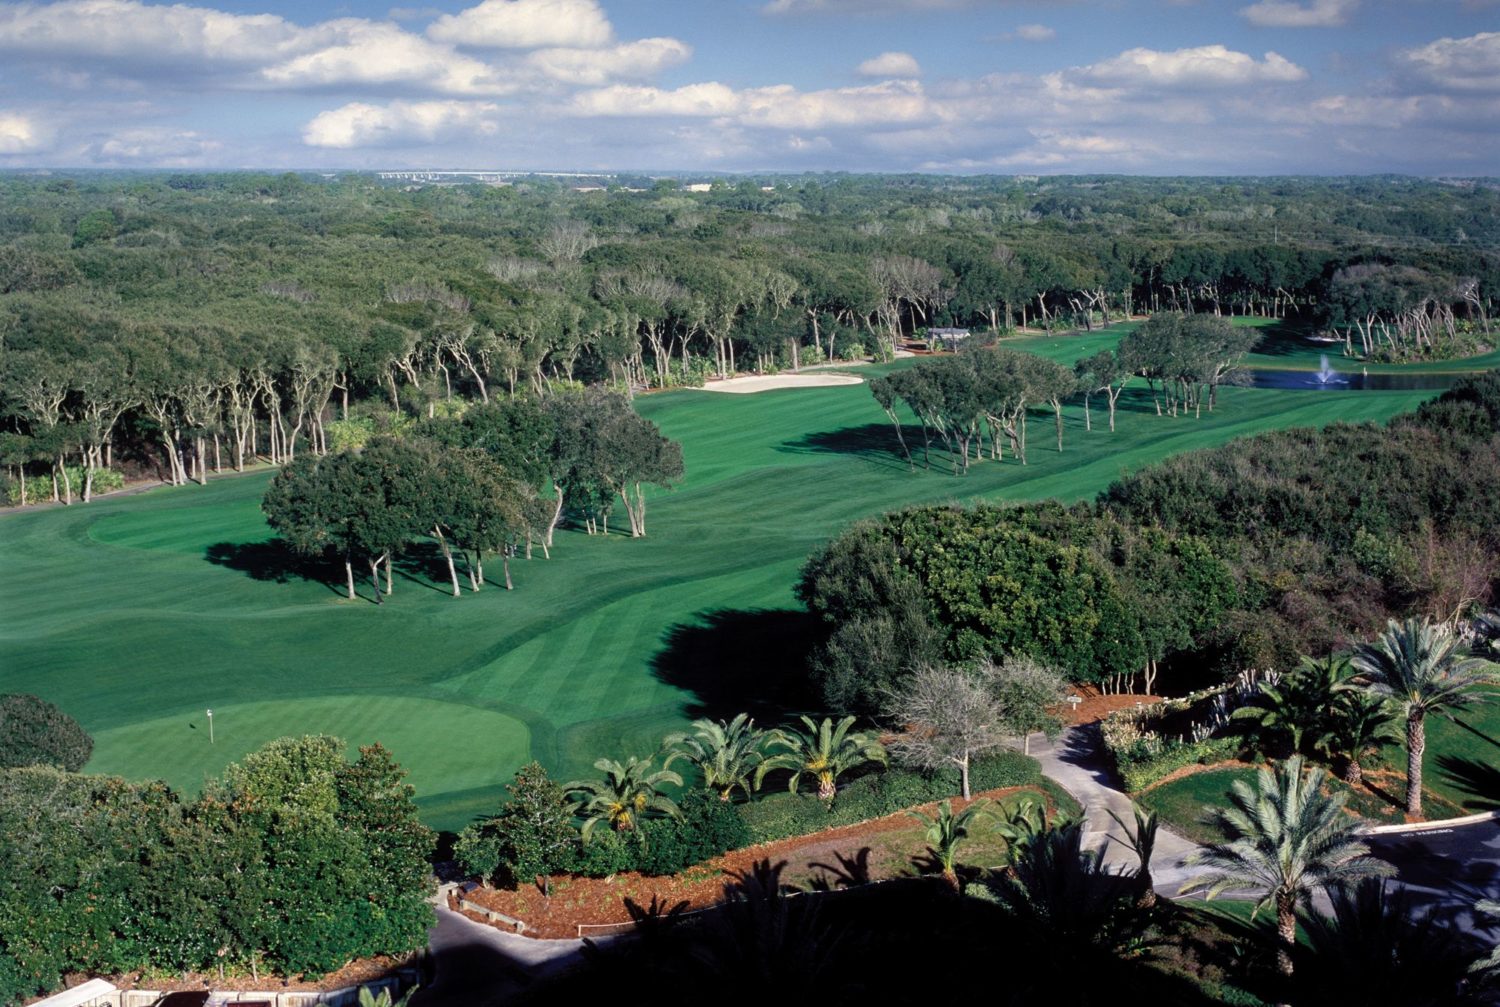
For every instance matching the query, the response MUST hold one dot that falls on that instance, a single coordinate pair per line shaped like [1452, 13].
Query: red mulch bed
[601, 901]
[1096, 705]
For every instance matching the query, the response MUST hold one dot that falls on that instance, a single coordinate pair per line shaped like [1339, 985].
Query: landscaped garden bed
[569, 906]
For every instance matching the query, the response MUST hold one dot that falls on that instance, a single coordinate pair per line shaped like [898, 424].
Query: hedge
[783, 816]
[1138, 775]
[33, 732]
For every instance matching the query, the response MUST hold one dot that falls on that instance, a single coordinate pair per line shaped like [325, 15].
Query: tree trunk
[1416, 744]
[375, 580]
[388, 585]
[505, 562]
[1354, 773]
[963, 774]
[1286, 933]
[447, 555]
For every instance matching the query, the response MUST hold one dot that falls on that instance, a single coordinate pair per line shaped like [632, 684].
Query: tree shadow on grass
[741, 661]
[274, 560]
[1479, 781]
[874, 441]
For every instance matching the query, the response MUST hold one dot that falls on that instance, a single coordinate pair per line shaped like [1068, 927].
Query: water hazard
[1329, 379]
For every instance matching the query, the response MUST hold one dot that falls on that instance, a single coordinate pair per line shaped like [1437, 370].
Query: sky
[1178, 87]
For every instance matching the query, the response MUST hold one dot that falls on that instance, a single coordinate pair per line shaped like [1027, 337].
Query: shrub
[33, 732]
[532, 835]
[708, 827]
[607, 853]
[1138, 775]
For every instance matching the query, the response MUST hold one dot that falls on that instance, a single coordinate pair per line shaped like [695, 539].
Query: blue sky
[1005, 86]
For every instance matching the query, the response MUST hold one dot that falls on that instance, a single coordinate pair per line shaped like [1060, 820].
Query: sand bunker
[770, 382]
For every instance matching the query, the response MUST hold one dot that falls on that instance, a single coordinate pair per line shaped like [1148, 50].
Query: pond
[1353, 381]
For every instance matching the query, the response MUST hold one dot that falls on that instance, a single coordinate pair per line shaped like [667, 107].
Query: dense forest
[191, 323]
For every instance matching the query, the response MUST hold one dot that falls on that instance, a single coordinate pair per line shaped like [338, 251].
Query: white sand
[770, 382]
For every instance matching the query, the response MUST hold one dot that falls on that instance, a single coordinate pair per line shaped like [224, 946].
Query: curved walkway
[1075, 761]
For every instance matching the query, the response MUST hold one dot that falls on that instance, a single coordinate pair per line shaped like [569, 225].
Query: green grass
[114, 611]
[1183, 803]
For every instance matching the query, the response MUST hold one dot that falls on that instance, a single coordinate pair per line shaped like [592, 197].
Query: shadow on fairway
[274, 560]
[1480, 781]
[874, 441]
[740, 661]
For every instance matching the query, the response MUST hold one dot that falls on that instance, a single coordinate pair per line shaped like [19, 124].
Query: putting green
[448, 747]
[136, 613]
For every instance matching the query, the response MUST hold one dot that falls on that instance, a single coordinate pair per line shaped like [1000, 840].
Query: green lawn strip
[114, 611]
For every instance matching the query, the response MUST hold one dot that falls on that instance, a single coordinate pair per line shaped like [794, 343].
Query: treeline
[1241, 557]
[474, 483]
[294, 861]
[192, 323]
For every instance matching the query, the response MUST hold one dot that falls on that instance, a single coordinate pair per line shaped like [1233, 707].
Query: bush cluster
[33, 732]
[296, 861]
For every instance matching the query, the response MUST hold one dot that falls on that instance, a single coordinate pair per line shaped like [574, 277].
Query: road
[1448, 868]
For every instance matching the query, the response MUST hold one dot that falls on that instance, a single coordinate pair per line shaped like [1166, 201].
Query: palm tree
[1286, 840]
[1064, 900]
[1484, 975]
[1142, 842]
[1361, 723]
[1303, 701]
[945, 831]
[628, 792]
[825, 750]
[726, 753]
[1419, 665]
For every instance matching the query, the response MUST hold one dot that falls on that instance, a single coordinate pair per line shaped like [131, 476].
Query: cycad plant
[947, 830]
[1286, 841]
[629, 792]
[1286, 714]
[727, 754]
[1419, 665]
[825, 751]
[1142, 842]
[1361, 723]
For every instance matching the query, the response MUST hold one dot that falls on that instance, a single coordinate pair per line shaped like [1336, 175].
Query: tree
[1286, 840]
[944, 716]
[1361, 722]
[726, 753]
[824, 750]
[1027, 692]
[947, 831]
[629, 792]
[1141, 838]
[1417, 664]
[33, 732]
[1299, 707]
[532, 836]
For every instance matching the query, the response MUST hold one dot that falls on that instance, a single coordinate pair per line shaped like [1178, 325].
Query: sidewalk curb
[1442, 823]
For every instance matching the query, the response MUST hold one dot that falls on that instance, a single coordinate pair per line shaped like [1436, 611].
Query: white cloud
[364, 53]
[1033, 33]
[526, 24]
[628, 61]
[20, 134]
[1289, 14]
[155, 145]
[690, 101]
[1204, 66]
[780, 106]
[399, 124]
[1457, 64]
[891, 64]
[136, 32]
